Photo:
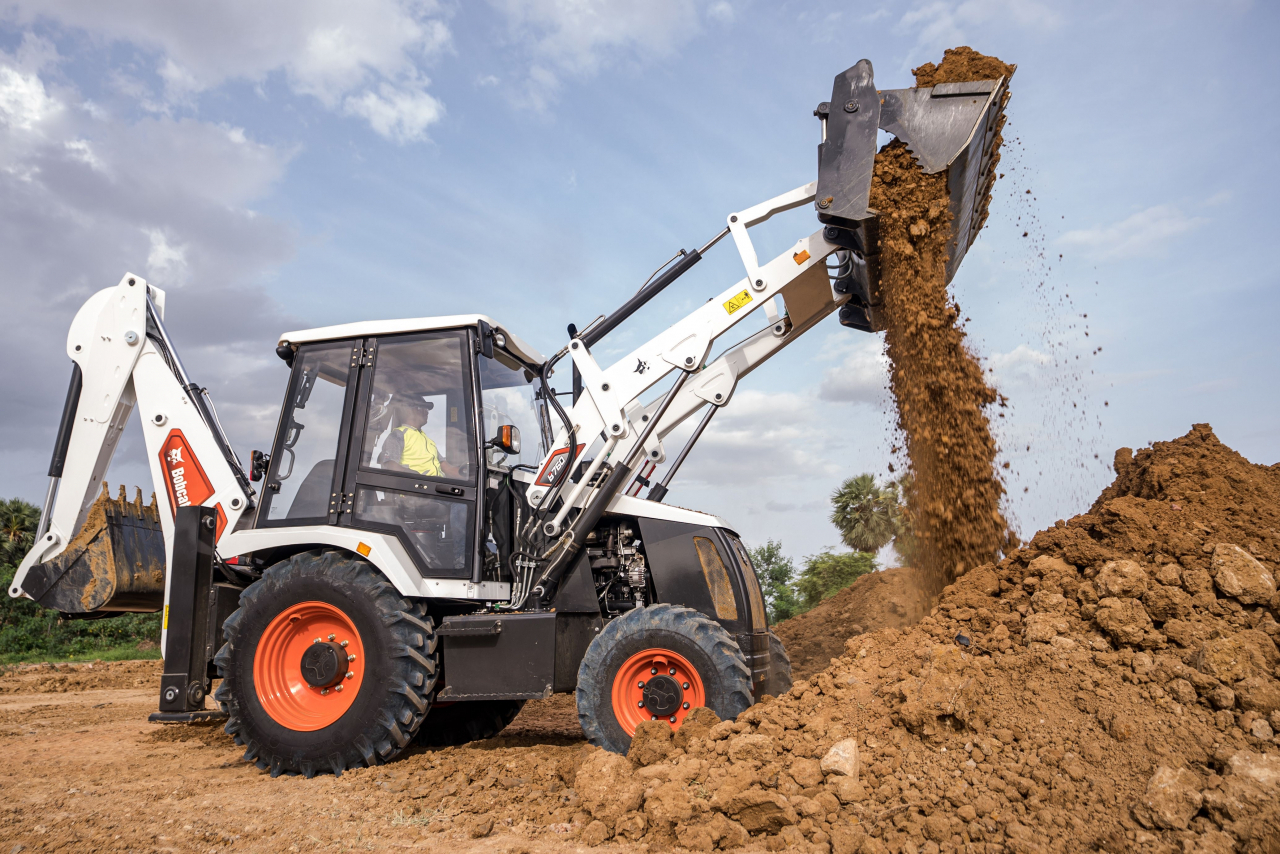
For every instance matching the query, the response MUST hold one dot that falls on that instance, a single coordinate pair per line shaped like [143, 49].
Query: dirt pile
[938, 385]
[58, 678]
[891, 599]
[1113, 685]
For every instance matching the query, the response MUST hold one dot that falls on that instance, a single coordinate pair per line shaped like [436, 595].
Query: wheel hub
[662, 695]
[308, 666]
[324, 664]
[655, 685]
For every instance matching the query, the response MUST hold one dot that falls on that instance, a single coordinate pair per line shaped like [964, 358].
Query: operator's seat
[312, 499]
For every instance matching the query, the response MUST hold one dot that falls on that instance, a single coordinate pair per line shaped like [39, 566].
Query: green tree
[18, 520]
[827, 573]
[866, 514]
[776, 573]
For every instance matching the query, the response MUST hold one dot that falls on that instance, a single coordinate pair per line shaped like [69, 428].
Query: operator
[408, 448]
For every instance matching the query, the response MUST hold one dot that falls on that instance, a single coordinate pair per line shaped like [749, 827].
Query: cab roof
[372, 328]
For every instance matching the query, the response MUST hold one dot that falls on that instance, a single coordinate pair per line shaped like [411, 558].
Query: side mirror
[258, 465]
[507, 440]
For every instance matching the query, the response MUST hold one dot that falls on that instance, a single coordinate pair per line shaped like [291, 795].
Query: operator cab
[397, 427]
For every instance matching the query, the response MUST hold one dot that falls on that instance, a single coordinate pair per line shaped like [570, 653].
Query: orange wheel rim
[656, 684]
[283, 690]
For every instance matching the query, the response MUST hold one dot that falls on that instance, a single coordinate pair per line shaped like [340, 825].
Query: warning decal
[737, 302]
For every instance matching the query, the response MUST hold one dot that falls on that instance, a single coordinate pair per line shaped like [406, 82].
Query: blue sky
[294, 164]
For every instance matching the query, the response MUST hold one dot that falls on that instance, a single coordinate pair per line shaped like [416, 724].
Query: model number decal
[737, 302]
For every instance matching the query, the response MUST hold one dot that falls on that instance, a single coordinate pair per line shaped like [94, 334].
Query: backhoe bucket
[115, 562]
[951, 127]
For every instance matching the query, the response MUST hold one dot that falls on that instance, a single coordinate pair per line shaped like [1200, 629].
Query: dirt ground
[85, 771]
[1113, 685]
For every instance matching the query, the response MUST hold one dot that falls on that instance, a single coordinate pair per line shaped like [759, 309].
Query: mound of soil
[891, 599]
[938, 385]
[60, 678]
[1113, 685]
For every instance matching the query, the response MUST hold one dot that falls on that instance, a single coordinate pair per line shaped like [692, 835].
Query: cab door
[302, 483]
[412, 464]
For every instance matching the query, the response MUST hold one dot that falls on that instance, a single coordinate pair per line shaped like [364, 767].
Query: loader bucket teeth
[115, 563]
[950, 127]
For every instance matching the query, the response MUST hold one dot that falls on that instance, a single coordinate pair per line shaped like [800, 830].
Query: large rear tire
[658, 663]
[325, 666]
[451, 724]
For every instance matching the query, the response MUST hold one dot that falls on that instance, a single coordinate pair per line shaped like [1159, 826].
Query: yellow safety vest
[420, 453]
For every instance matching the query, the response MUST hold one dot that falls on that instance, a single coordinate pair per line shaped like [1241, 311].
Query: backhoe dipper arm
[123, 359]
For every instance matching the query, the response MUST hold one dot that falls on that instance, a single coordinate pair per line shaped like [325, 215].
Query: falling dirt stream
[937, 383]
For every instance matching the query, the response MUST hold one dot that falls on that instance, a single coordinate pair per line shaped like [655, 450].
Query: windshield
[507, 397]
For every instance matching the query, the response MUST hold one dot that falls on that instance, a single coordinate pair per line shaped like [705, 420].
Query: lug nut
[351, 658]
[317, 640]
[640, 705]
[686, 705]
[673, 718]
[324, 691]
[672, 671]
[686, 686]
[653, 718]
[350, 674]
[333, 637]
[640, 684]
[344, 643]
[339, 688]
[653, 671]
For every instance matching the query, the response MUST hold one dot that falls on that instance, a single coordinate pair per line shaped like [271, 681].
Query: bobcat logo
[174, 455]
[641, 366]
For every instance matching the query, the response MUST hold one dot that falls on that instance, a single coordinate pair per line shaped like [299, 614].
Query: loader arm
[123, 359]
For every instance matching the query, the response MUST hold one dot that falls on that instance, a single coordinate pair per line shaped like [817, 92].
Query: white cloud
[85, 197]
[721, 11]
[578, 37]
[79, 149]
[1019, 367]
[166, 263]
[862, 376]
[1145, 233]
[24, 104]
[941, 24]
[329, 49]
[402, 115]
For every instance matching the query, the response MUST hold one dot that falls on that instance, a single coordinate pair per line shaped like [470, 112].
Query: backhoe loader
[434, 537]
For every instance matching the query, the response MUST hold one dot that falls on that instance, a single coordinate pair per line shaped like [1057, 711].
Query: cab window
[507, 397]
[303, 462]
[419, 409]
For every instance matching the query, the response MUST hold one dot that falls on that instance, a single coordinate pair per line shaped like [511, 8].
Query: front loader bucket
[950, 127]
[115, 563]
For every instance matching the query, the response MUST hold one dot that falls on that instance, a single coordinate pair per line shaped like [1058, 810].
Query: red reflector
[235, 560]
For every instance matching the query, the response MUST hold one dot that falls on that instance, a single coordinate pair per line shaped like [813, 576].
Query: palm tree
[867, 515]
[18, 521]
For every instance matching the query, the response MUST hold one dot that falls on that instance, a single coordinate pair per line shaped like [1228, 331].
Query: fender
[382, 550]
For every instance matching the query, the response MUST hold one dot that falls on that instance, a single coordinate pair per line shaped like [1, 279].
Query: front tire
[658, 663]
[325, 666]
